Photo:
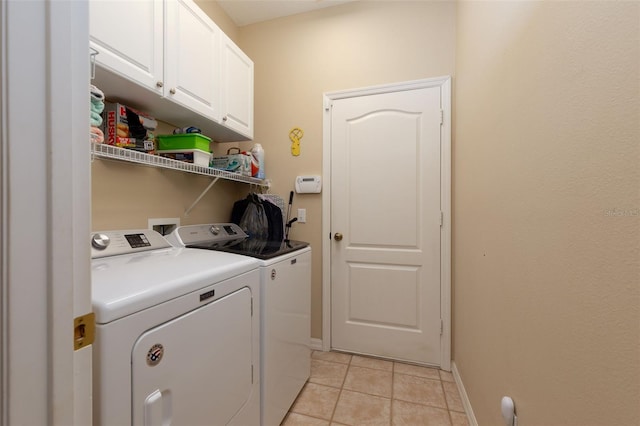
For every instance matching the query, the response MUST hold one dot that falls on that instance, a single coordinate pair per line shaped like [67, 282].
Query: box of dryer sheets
[239, 162]
[128, 128]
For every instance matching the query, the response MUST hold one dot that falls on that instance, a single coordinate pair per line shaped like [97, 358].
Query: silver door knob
[337, 236]
[172, 91]
[159, 84]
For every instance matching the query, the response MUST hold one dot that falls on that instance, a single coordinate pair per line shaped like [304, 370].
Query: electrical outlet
[164, 225]
[302, 215]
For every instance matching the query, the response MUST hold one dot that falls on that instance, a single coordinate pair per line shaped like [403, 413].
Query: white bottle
[257, 161]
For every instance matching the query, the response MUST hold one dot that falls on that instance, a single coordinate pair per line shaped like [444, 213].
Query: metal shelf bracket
[213, 182]
[131, 156]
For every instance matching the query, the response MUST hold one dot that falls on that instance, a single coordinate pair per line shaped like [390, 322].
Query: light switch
[302, 215]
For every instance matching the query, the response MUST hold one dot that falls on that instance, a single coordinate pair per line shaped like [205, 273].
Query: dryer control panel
[112, 243]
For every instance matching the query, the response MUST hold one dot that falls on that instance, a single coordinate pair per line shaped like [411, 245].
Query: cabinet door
[236, 88]
[128, 36]
[192, 69]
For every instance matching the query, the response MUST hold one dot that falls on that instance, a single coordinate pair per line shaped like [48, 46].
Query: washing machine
[177, 333]
[285, 290]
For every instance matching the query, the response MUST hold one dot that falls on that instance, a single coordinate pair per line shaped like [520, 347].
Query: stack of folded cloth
[97, 106]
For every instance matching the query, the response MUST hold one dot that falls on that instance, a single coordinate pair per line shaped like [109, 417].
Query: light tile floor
[354, 390]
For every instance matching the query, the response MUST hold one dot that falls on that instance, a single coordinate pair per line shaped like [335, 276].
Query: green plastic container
[184, 141]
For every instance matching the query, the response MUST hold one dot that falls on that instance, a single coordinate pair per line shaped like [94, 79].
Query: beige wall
[547, 211]
[126, 195]
[299, 58]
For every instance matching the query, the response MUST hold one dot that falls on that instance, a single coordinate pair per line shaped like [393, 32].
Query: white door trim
[44, 212]
[445, 198]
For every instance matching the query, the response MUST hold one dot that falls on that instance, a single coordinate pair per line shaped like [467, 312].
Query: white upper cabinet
[236, 88]
[192, 71]
[129, 39]
[169, 59]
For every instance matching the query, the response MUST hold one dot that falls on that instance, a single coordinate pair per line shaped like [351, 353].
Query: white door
[386, 224]
[191, 63]
[139, 57]
[44, 212]
[236, 89]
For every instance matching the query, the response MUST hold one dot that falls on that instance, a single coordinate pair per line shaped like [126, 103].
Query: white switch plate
[302, 215]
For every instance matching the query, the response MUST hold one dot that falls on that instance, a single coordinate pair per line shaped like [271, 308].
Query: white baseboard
[463, 395]
[316, 344]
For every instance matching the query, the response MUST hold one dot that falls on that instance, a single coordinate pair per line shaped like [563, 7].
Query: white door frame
[44, 212]
[445, 199]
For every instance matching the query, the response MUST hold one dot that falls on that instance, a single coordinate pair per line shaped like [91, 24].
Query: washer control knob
[100, 241]
[215, 229]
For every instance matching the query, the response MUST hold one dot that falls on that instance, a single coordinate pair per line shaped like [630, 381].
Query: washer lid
[260, 249]
[123, 285]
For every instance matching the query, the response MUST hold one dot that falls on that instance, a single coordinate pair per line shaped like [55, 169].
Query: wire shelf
[122, 154]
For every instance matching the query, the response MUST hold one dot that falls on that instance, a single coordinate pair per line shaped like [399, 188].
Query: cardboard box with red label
[127, 128]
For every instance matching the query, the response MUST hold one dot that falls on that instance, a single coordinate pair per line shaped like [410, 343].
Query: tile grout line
[444, 394]
[391, 399]
[335, 407]
[393, 377]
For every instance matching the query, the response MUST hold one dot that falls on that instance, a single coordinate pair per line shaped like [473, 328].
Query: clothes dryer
[177, 334]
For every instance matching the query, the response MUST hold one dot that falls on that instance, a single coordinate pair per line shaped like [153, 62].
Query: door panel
[369, 293]
[236, 90]
[138, 57]
[192, 69]
[371, 169]
[385, 168]
[196, 369]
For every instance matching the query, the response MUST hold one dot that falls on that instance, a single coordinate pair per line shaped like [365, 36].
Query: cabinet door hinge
[441, 116]
[441, 218]
[84, 331]
[252, 306]
[441, 327]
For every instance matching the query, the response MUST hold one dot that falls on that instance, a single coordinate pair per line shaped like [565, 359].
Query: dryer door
[195, 369]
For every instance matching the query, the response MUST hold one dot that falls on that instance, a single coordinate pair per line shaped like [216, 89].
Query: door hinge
[252, 306]
[441, 218]
[84, 331]
[441, 116]
[251, 373]
[441, 327]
